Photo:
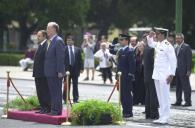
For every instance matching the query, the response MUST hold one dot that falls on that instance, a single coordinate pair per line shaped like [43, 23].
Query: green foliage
[10, 59]
[193, 63]
[31, 103]
[94, 112]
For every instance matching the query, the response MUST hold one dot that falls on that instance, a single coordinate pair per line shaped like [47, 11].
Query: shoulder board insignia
[166, 43]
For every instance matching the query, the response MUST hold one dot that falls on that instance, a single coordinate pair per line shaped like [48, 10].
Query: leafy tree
[35, 14]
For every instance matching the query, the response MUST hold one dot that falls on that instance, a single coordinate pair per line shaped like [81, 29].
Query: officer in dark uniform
[151, 100]
[126, 65]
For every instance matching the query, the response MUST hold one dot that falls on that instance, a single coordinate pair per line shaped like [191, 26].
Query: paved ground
[180, 117]
[17, 73]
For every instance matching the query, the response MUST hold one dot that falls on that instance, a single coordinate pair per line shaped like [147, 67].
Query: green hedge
[17, 103]
[193, 64]
[94, 112]
[10, 59]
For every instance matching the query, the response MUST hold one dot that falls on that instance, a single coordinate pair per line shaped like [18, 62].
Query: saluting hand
[152, 34]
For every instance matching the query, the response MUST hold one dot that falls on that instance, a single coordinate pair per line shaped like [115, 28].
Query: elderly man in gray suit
[54, 67]
[183, 71]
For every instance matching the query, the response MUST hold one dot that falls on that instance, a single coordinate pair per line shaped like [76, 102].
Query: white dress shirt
[70, 51]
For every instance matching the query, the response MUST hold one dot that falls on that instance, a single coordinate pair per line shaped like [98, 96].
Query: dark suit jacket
[126, 62]
[184, 59]
[54, 58]
[38, 68]
[78, 66]
[148, 58]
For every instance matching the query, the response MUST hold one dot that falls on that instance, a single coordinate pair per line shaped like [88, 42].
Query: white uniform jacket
[165, 60]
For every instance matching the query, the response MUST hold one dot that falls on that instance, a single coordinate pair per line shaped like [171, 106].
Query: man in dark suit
[183, 71]
[38, 72]
[73, 64]
[151, 100]
[126, 65]
[54, 67]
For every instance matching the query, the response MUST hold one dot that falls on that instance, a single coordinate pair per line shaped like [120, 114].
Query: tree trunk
[1, 39]
[25, 32]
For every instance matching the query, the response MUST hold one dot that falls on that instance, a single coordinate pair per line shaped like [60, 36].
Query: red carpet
[34, 117]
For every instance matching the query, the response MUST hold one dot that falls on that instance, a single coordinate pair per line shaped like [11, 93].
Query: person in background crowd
[88, 48]
[73, 64]
[151, 100]
[183, 71]
[171, 38]
[54, 67]
[164, 69]
[126, 65]
[28, 59]
[105, 62]
[98, 43]
[138, 87]
[38, 72]
[133, 42]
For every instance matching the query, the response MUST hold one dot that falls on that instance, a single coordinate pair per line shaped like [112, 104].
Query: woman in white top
[105, 62]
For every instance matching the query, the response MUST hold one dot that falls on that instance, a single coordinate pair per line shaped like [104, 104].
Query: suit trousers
[163, 94]
[55, 89]
[183, 84]
[74, 78]
[43, 93]
[126, 94]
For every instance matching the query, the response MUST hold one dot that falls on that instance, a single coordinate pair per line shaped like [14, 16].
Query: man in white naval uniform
[164, 70]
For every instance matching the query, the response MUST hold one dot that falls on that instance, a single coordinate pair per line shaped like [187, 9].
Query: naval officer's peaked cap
[161, 29]
[124, 36]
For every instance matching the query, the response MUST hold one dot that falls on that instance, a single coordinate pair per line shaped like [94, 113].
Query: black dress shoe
[87, 78]
[147, 117]
[75, 101]
[46, 111]
[53, 114]
[38, 111]
[187, 105]
[127, 115]
[176, 104]
[154, 117]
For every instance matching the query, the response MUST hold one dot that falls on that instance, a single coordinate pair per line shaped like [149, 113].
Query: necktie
[178, 49]
[48, 44]
[72, 59]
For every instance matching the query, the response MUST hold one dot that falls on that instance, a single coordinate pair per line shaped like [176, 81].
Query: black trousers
[151, 101]
[126, 94]
[183, 84]
[43, 93]
[139, 90]
[74, 79]
[106, 73]
[55, 89]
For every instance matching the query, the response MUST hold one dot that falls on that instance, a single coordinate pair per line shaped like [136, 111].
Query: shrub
[17, 103]
[11, 59]
[94, 112]
[193, 63]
